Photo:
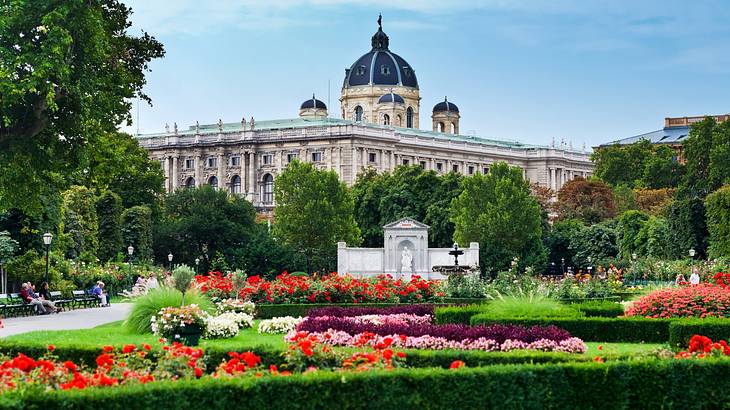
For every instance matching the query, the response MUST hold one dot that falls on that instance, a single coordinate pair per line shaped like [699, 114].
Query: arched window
[267, 194]
[398, 121]
[358, 114]
[386, 119]
[442, 127]
[190, 183]
[236, 184]
[213, 181]
[409, 117]
[453, 128]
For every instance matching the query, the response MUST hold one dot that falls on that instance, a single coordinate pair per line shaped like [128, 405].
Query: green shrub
[532, 306]
[718, 215]
[599, 308]
[456, 314]
[684, 384]
[680, 331]
[278, 310]
[147, 305]
[595, 329]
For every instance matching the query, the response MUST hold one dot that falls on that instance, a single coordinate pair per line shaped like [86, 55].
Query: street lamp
[3, 278]
[692, 253]
[197, 262]
[47, 239]
[169, 258]
[633, 266]
[589, 265]
[562, 265]
[130, 252]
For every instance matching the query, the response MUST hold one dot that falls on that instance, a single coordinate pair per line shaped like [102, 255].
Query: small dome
[313, 103]
[391, 97]
[445, 105]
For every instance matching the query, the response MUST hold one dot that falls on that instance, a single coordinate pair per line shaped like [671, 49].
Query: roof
[668, 135]
[391, 97]
[295, 123]
[313, 103]
[445, 105]
[406, 223]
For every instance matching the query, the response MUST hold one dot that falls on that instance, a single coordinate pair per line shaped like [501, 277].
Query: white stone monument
[406, 253]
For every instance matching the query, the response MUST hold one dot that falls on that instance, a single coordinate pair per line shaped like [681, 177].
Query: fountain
[456, 271]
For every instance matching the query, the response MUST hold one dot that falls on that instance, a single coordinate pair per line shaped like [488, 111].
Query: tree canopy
[641, 164]
[590, 201]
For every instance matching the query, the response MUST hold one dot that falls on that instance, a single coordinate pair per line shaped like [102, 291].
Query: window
[372, 157]
[236, 184]
[291, 157]
[316, 156]
[162, 163]
[235, 161]
[360, 70]
[189, 163]
[358, 113]
[453, 128]
[212, 162]
[386, 119]
[384, 70]
[407, 71]
[439, 166]
[441, 127]
[398, 121]
[213, 181]
[190, 183]
[409, 117]
[471, 170]
[423, 164]
[455, 168]
[267, 159]
[267, 194]
[485, 170]
[406, 162]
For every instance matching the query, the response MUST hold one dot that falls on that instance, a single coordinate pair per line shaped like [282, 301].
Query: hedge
[680, 331]
[456, 314]
[278, 310]
[596, 329]
[682, 384]
[600, 308]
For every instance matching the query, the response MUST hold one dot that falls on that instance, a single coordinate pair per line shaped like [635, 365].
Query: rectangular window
[372, 157]
[235, 161]
[485, 170]
[212, 162]
[316, 157]
[267, 159]
[291, 157]
[423, 164]
[455, 168]
[439, 166]
[189, 163]
[471, 170]
[406, 162]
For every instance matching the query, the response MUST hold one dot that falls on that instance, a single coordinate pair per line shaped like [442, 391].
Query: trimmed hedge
[680, 331]
[596, 329]
[456, 314]
[681, 384]
[600, 308]
[278, 310]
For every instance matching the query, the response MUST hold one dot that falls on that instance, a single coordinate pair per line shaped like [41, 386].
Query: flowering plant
[171, 321]
[276, 325]
[702, 346]
[236, 306]
[703, 300]
[221, 327]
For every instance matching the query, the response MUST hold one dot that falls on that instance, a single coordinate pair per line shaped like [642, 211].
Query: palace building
[379, 128]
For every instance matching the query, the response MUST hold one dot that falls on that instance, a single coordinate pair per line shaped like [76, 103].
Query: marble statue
[406, 260]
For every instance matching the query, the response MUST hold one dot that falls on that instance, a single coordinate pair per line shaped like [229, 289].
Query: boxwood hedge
[683, 384]
[680, 331]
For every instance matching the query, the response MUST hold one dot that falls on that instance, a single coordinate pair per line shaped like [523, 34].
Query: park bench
[82, 299]
[24, 308]
[10, 307]
[60, 302]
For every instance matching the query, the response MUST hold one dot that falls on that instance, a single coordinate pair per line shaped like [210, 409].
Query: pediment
[406, 223]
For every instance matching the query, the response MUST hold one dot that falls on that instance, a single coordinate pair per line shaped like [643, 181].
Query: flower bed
[330, 288]
[703, 300]
[702, 346]
[278, 325]
[420, 310]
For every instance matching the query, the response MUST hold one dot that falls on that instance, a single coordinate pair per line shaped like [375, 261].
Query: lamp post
[130, 252]
[552, 268]
[692, 253]
[197, 262]
[47, 239]
[589, 265]
[3, 279]
[633, 266]
[562, 265]
[169, 258]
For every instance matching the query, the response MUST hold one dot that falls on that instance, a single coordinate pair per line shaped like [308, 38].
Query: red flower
[146, 347]
[107, 349]
[456, 364]
[129, 348]
[198, 372]
[51, 348]
[104, 360]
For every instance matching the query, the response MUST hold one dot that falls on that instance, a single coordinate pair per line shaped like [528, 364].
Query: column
[252, 175]
[166, 172]
[551, 178]
[173, 185]
[339, 161]
[242, 173]
[391, 161]
[381, 160]
[353, 165]
[198, 173]
[433, 163]
[365, 158]
[221, 166]
[280, 161]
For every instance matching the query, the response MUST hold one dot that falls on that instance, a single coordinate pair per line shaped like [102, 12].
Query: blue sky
[586, 71]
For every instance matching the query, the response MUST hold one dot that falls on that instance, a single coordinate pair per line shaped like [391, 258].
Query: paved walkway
[73, 319]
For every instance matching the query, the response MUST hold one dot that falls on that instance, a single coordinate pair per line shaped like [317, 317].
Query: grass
[116, 334]
[146, 306]
[621, 348]
[529, 306]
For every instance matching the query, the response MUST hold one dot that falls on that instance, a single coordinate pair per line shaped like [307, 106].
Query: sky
[586, 71]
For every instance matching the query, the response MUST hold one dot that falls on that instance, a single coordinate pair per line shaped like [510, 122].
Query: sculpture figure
[406, 260]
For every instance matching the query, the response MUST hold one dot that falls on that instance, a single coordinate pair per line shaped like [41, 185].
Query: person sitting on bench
[98, 291]
[31, 300]
[47, 303]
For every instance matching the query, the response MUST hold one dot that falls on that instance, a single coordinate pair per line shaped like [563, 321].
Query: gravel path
[74, 319]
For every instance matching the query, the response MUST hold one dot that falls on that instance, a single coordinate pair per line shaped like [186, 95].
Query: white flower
[279, 324]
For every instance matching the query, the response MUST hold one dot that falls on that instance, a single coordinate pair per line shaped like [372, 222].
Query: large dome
[380, 66]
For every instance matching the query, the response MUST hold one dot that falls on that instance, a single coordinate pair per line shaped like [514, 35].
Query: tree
[598, 242]
[697, 149]
[718, 222]
[265, 256]
[367, 193]
[558, 241]
[719, 155]
[109, 211]
[629, 226]
[661, 169]
[653, 238]
[590, 201]
[137, 231]
[8, 246]
[202, 221]
[624, 198]
[314, 210]
[622, 164]
[79, 230]
[498, 211]
[70, 72]
[438, 216]
[687, 227]
[654, 201]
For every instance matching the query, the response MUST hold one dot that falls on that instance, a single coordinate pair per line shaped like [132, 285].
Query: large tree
[68, 72]
[314, 210]
[641, 164]
[109, 211]
[498, 211]
[590, 201]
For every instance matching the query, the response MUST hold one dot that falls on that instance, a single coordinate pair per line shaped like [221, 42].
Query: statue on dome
[251, 122]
